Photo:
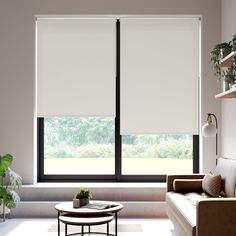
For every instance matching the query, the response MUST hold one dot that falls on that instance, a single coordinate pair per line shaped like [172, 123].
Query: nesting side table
[87, 216]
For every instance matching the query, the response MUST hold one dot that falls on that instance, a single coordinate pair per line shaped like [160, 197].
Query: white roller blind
[159, 76]
[76, 67]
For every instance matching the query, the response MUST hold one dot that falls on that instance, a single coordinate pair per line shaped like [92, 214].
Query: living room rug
[99, 228]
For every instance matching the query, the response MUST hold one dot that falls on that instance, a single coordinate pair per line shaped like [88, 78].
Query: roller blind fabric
[159, 76]
[76, 67]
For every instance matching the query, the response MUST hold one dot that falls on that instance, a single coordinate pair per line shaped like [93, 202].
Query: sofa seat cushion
[184, 207]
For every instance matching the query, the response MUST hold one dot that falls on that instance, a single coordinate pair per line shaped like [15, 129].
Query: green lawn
[140, 166]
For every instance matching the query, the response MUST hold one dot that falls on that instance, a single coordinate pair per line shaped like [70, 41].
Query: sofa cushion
[184, 207]
[211, 184]
[187, 185]
[227, 169]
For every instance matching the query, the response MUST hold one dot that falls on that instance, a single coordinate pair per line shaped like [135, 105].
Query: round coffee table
[87, 215]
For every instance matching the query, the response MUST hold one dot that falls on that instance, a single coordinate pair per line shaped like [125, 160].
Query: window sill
[108, 191]
[95, 185]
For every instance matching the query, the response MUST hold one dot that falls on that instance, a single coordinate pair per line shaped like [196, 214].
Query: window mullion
[118, 145]
[195, 153]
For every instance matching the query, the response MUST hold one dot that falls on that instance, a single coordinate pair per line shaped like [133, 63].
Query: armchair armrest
[170, 179]
[216, 217]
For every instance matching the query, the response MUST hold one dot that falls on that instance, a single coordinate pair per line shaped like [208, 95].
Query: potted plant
[219, 52]
[230, 75]
[9, 182]
[233, 43]
[82, 198]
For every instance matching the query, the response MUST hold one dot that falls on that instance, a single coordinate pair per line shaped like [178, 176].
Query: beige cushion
[187, 185]
[211, 184]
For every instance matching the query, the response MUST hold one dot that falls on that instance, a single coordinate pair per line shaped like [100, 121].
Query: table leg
[65, 229]
[82, 230]
[58, 223]
[116, 224]
[89, 230]
[108, 229]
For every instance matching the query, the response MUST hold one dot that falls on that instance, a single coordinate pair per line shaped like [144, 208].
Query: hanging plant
[233, 43]
[219, 51]
[229, 75]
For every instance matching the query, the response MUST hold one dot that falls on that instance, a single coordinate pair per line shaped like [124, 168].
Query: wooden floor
[48, 227]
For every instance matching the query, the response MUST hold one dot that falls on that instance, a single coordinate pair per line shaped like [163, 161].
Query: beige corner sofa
[195, 214]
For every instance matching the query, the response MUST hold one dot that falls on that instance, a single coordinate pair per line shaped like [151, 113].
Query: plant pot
[76, 203]
[226, 86]
[80, 202]
[4, 211]
[84, 201]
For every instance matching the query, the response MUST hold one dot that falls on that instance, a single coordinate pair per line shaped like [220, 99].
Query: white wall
[228, 125]
[17, 129]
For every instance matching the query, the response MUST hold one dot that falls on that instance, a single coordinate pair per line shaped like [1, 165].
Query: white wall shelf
[227, 94]
[227, 62]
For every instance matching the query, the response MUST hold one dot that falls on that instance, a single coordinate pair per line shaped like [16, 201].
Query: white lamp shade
[209, 130]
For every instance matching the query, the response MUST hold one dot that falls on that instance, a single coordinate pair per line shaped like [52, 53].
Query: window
[152, 154]
[79, 146]
[102, 113]
[84, 149]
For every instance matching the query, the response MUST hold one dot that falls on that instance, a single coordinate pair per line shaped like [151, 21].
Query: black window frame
[117, 177]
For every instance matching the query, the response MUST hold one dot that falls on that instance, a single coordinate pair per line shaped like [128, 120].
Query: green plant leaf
[5, 163]
[3, 192]
[12, 199]
[84, 193]
[8, 196]
[3, 195]
[219, 51]
[15, 179]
